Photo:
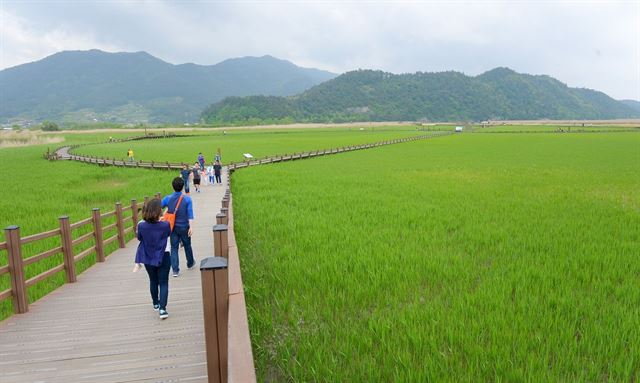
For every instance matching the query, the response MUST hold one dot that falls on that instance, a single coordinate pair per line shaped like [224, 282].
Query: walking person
[210, 174]
[196, 177]
[182, 206]
[130, 155]
[201, 160]
[185, 173]
[217, 169]
[152, 252]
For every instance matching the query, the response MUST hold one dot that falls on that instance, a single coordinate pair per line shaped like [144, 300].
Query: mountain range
[84, 86]
[137, 87]
[367, 95]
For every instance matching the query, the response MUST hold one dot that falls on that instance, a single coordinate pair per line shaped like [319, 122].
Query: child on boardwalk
[153, 235]
[210, 174]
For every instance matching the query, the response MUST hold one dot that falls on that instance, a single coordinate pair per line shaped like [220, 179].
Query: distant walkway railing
[63, 154]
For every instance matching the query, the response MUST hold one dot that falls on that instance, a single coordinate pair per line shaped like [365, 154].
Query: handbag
[171, 217]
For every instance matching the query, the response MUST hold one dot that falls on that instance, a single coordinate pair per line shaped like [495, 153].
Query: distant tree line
[367, 95]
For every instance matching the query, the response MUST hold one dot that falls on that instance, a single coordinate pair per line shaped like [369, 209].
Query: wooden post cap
[220, 227]
[220, 215]
[213, 263]
[12, 227]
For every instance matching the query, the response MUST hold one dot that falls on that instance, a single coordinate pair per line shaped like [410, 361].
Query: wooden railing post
[97, 234]
[67, 249]
[220, 241]
[225, 211]
[146, 199]
[16, 270]
[134, 215]
[225, 202]
[120, 225]
[159, 195]
[221, 219]
[214, 277]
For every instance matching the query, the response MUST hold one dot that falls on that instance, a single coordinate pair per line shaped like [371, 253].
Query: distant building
[459, 129]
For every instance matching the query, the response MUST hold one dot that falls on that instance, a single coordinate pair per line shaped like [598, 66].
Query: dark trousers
[159, 278]
[218, 178]
[180, 235]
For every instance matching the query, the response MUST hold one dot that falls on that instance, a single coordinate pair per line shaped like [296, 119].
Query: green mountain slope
[367, 95]
[137, 87]
[632, 103]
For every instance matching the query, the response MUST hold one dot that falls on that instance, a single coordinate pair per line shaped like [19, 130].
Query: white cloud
[583, 43]
[22, 42]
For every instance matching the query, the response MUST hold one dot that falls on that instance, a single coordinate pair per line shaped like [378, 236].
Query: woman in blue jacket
[153, 234]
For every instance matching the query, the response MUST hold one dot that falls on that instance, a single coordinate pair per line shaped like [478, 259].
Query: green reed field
[471, 257]
[258, 142]
[37, 192]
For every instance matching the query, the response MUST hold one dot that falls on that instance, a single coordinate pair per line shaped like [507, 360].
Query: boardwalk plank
[103, 329]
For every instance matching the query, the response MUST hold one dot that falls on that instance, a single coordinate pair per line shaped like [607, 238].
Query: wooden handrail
[124, 223]
[39, 236]
[44, 275]
[43, 255]
[82, 238]
[84, 253]
[109, 227]
[108, 214]
[84, 222]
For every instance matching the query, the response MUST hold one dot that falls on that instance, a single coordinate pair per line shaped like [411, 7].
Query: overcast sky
[592, 44]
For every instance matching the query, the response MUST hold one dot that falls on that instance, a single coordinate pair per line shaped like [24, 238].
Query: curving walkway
[103, 329]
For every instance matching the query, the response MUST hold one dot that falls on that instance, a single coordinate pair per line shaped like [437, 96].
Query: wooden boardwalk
[103, 327]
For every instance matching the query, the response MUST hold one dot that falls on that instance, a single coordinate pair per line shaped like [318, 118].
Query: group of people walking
[166, 226]
[211, 174]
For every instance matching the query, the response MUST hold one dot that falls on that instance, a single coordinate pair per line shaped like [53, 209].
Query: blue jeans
[159, 277]
[181, 235]
[186, 185]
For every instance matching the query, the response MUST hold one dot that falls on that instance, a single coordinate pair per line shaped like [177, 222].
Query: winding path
[103, 329]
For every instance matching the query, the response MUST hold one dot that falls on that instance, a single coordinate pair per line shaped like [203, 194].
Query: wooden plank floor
[103, 327]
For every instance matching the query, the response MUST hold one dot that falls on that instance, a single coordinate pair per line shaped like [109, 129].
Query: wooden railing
[315, 153]
[125, 220]
[54, 155]
[166, 165]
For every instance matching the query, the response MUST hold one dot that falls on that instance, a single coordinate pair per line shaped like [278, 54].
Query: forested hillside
[367, 95]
